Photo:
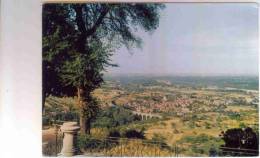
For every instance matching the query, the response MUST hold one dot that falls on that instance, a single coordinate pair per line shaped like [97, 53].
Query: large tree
[78, 40]
[240, 142]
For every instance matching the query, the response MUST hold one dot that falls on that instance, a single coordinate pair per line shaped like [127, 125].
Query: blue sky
[197, 38]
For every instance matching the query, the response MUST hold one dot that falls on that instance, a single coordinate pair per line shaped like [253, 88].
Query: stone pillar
[70, 131]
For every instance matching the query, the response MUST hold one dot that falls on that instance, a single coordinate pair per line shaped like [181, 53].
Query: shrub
[86, 142]
[240, 138]
[132, 133]
[114, 133]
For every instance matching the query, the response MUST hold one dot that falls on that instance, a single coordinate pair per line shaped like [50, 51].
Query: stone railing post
[69, 145]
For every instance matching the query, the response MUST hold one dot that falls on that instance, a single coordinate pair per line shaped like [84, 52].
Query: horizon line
[181, 74]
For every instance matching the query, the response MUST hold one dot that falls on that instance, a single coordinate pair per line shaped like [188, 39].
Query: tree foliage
[113, 117]
[79, 39]
[72, 31]
[238, 138]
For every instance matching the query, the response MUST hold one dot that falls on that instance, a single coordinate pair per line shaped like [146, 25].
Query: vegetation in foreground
[196, 127]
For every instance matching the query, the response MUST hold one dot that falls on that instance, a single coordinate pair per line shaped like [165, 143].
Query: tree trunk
[87, 124]
[84, 121]
[84, 125]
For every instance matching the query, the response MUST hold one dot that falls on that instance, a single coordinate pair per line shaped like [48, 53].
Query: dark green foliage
[104, 122]
[113, 117]
[132, 133]
[86, 142]
[114, 133]
[91, 109]
[67, 116]
[78, 40]
[56, 43]
[126, 133]
[240, 139]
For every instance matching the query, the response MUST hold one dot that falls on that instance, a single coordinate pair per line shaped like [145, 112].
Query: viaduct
[146, 116]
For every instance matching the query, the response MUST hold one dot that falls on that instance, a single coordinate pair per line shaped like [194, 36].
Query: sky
[202, 39]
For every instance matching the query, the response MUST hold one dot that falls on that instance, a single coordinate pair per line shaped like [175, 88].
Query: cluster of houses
[150, 106]
[184, 104]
